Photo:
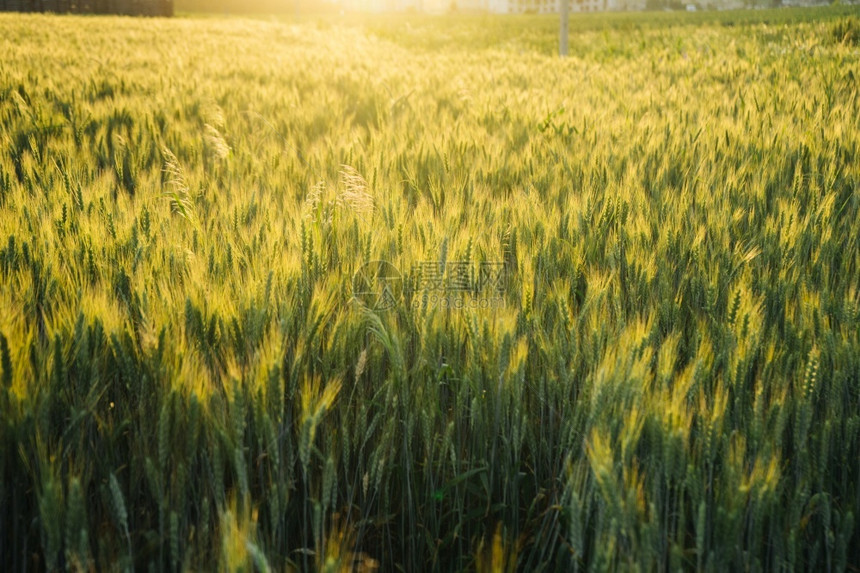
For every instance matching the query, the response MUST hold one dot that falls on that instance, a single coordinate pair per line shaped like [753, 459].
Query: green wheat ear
[51, 513]
[5, 363]
[178, 191]
[118, 507]
[77, 531]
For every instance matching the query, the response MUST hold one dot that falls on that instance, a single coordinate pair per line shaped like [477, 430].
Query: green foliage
[671, 382]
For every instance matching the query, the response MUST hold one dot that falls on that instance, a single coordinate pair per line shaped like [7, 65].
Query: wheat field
[668, 377]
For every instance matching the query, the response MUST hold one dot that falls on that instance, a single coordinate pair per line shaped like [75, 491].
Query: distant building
[524, 6]
[130, 7]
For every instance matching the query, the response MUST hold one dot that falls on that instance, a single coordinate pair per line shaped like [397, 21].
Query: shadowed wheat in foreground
[670, 378]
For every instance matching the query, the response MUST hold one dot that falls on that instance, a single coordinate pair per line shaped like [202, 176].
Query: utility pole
[562, 43]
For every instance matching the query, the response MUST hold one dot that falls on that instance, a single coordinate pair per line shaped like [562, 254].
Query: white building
[524, 6]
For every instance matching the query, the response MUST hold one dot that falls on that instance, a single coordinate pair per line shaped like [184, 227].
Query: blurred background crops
[187, 383]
